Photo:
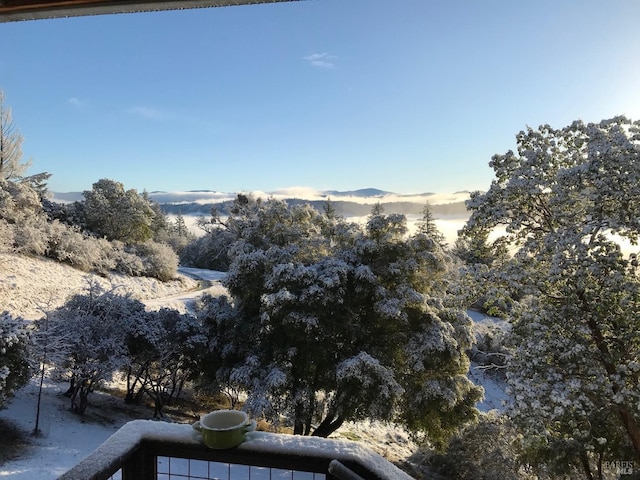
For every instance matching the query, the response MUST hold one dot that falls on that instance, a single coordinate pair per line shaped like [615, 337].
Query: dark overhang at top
[13, 10]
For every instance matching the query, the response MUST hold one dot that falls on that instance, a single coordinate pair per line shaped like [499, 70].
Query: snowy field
[67, 438]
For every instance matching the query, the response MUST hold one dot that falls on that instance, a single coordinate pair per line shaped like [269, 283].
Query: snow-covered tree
[161, 353]
[475, 248]
[95, 326]
[565, 199]
[14, 357]
[486, 450]
[332, 322]
[160, 224]
[427, 226]
[179, 227]
[159, 260]
[481, 258]
[46, 349]
[177, 234]
[118, 214]
[19, 201]
[11, 165]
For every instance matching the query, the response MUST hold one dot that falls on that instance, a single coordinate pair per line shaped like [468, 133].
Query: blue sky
[409, 96]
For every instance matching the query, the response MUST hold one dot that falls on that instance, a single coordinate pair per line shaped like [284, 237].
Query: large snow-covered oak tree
[330, 321]
[564, 200]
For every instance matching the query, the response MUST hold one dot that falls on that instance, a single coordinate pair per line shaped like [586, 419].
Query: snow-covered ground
[27, 286]
[495, 396]
[66, 438]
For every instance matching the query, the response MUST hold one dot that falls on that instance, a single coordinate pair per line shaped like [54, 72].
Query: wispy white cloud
[147, 112]
[321, 60]
[76, 102]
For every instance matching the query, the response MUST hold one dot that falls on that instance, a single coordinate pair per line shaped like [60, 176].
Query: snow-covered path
[209, 281]
[31, 286]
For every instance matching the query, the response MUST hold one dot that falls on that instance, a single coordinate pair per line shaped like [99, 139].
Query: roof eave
[17, 10]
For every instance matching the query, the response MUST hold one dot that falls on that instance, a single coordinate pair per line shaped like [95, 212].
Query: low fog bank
[448, 226]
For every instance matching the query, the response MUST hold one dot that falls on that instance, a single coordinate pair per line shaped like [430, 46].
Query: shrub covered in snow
[68, 245]
[98, 334]
[486, 450]
[93, 328]
[158, 260]
[26, 229]
[14, 365]
[30, 236]
[208, 251]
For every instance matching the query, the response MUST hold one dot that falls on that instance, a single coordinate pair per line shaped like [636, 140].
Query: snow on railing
[145, 450]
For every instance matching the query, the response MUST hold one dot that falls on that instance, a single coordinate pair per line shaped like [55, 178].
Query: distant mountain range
[353, 203]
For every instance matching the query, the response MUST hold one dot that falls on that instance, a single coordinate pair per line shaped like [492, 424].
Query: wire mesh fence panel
[171, 468]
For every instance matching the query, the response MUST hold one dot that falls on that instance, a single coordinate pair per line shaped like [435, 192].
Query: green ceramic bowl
[224, 428]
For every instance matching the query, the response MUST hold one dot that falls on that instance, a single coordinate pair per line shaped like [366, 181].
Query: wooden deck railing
[150, 450]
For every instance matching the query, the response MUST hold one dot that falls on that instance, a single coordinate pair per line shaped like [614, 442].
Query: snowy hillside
[29, 286]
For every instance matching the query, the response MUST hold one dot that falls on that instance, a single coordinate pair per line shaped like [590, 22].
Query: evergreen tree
[180, 227]
[329, 209]
[427, 226]
[474, 248]
[160, 227]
